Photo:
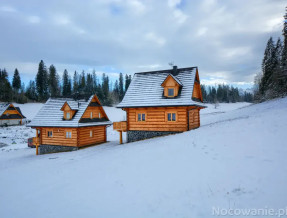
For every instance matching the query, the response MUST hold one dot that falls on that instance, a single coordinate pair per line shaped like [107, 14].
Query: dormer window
[171, 86]
[69, 111]
[170, 92]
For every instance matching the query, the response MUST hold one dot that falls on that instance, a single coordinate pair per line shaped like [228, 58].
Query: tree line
[271, 82]
[48, 83]
[224, 94]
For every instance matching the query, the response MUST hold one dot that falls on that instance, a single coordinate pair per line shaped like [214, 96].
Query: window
[141, 117]
[171, 116]
[171, 92]
[68, 135]
[91, 115]
[99, 115]
[50, 134]
[91, 133]
[68, 116]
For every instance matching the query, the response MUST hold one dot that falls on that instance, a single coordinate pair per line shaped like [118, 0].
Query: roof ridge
[168, 70]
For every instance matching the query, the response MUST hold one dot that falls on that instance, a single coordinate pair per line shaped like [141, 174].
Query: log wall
[156, 119]
[99, 135]
[59, 136]
[194, 119]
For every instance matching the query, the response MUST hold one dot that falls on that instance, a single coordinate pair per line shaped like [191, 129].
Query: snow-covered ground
[236, 159]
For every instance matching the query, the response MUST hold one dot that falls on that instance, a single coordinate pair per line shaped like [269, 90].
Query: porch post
[37, 144]
[121, 137]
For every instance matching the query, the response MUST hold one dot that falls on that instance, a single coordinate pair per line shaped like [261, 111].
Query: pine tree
[5, 87]
[95, 81]
[54, 88]
[75, 83]
[16, 83]
[116, 92]
[31, 91]
[121, 86]
[42, 82]
[89, 89]
[66, 86]
[283, 75]
[268, 65]
[204, 92]
[284, 52]
[127, 82]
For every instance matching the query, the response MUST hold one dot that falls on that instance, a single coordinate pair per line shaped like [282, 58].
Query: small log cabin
[10, 115]
[161, 102]
[65, 125]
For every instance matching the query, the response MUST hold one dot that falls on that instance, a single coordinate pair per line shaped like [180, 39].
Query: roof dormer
[69, 110]
[171, 86]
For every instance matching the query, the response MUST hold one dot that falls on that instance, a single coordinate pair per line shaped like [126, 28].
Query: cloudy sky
[224, 38]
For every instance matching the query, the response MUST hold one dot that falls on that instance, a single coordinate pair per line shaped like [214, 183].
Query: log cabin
[160, 103]
[10, 115]
[67, 125]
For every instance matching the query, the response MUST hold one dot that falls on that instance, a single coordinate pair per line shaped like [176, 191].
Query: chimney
[174, 71]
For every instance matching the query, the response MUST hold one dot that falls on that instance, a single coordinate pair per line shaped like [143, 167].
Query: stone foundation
[133, 136]
[46, 149]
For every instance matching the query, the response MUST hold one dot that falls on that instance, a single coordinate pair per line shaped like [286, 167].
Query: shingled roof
[4, 107]
[50, 115]
[145, 89]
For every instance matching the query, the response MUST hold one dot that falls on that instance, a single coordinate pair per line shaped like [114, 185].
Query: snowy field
[236, 159]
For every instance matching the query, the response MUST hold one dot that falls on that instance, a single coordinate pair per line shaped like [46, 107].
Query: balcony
[36, 141]
[120, 126]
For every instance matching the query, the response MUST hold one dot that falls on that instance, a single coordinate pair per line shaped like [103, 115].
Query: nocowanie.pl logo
[217, 211]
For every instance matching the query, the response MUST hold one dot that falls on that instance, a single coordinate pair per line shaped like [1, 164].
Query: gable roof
[5, 106]
[50, 115]
[20, 112]
[175, 79]
[145, 89]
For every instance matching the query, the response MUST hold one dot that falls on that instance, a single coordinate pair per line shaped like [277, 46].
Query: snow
[236, 159]
[29, 110]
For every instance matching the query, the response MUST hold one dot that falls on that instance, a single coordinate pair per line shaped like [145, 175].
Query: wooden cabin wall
[196, 91]
[59, 136]
[156, 119]
[95, 110]
[99, 135]
[194, 119]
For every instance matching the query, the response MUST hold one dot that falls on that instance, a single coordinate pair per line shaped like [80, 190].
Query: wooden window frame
[171, 112]
[49, 130]
[66, 134]
[141, 115]
[168, 88]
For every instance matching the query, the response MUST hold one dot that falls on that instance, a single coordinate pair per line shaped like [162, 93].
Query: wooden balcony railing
[120, 126]
[36, 141]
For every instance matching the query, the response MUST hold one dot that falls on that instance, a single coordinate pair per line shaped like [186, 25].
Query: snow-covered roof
[145, 89]
[176, 79]
[3, 107]
[50, 115]
[73, 105]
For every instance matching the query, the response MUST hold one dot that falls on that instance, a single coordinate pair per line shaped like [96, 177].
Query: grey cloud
[225, 39]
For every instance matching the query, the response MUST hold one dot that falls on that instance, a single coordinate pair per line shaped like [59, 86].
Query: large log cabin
[65, 124]
[10, 115]
[161, 102]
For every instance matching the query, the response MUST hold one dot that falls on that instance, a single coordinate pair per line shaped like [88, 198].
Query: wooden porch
[120, 127]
